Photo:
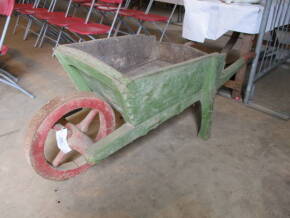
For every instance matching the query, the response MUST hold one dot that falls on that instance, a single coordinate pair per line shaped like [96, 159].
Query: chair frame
[6, 77]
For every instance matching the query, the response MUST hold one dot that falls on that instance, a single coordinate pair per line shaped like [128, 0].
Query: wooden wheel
[62, 130]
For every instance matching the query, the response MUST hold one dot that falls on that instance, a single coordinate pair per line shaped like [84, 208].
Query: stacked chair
[61, 27]
[137, 16]
[83, 28]
[6, 9]
[38, 14]
[28, 11]
[140, 18]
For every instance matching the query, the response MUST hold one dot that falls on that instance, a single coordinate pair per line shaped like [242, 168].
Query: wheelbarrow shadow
[140, 167]
[195, 112]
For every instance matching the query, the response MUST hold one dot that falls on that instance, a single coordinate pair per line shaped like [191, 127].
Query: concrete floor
[241, 172]
[274, 97]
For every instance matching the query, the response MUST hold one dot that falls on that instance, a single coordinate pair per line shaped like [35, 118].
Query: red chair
[142, 17]
[102, 8]
[81, 1]
[22, 6]
[77, 3]
[61, 22]
[6, 9]
[37, 14]
[44, 17]
[23, 9]
[90, 29]
[18, 7]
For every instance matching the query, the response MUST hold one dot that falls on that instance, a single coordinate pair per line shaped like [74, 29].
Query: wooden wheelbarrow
[146, 82]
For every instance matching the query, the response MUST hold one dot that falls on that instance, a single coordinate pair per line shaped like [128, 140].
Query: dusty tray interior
[133, 55]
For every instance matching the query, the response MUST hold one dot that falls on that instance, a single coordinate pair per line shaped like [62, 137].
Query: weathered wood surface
[146, 81]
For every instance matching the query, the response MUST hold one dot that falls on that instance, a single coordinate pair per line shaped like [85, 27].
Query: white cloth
[210, 19]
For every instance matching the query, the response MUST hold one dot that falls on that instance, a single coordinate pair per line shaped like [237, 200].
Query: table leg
[237, 84]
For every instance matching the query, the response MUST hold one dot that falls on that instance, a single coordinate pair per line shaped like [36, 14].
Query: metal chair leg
[139, 30]
[167, 23]
[162, 31]
[43, 36]
[8, 81]
[58, 37]
[16, 24]
[117, 29]
[141, 26]
[4, 72]
[7, 78]
[39, 35]
[27, 28]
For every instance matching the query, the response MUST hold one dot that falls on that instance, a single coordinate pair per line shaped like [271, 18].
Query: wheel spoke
[102, 129]
[55, 116]
[59, 158]
[77, 140]
[85, 123]
[58, 127]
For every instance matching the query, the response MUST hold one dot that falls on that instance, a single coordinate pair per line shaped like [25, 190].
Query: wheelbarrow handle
[228, 72]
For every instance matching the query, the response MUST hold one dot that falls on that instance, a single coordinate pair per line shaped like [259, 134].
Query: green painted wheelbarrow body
[146, 81]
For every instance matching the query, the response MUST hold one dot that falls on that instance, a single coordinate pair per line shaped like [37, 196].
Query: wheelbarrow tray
[146, 81]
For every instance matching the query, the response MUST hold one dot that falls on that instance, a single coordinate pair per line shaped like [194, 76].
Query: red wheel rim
[45, 120]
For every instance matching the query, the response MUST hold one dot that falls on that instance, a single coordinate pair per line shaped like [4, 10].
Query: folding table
[211, 19]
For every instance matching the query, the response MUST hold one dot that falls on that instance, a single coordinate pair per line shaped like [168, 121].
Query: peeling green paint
[145, 99]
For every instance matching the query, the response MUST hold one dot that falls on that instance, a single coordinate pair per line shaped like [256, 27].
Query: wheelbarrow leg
[206, 118]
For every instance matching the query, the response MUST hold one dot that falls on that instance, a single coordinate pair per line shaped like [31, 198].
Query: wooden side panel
[155, 92]
[88, 78]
